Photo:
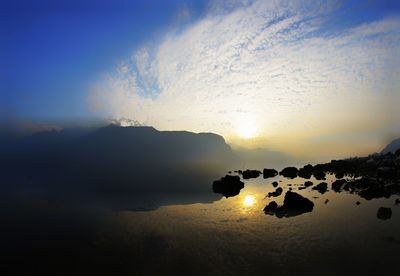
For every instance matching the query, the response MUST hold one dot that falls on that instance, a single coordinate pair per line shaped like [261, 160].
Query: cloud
[276, 63]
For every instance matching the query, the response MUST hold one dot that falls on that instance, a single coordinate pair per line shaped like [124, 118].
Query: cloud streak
[274, 63]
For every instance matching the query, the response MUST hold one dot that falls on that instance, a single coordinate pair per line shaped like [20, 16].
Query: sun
[249, 200]
[247, 130]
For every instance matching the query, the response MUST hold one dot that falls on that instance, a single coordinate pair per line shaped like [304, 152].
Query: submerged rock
[289, 172]
[321, 187]
[384, 213]
[229, 185]
[275, 184]
[267, 173]
[247, 174]
[293, 205]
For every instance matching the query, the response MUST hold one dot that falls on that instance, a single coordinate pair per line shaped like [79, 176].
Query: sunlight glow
[249, 200]
[247, 130]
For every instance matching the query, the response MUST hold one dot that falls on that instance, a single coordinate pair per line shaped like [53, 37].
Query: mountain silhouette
[115, 163]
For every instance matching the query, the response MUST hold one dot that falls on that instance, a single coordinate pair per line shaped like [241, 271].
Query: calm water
[228, 236]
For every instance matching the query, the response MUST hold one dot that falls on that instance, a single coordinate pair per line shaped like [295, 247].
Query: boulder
[319, 175]
[306, 172]
[308, 184]
[321, 187]
[270, 208]
[337, 185]
[247, 174]
[276, 193]
[267, 173]
[293, 205]
[289, 172]
[229, 185]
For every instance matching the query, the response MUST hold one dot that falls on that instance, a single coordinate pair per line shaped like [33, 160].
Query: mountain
[115, 162]
[392, 146]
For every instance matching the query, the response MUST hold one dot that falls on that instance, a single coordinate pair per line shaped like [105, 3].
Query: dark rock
[326, 201]
[275, 184]
[294, 205]
[247, 174]
[397, 201]
[269, 173]
[374, 192]
[289, 172]
[308, 183]
[337, 185]
[276, 193]
[384, 213]
[229, 185]
[321, 187]
[229, 171]
[306, 171]
[339, 175]
[358, 203]
[302, 188]
[240, 171]
[319, 175]
[270, 208]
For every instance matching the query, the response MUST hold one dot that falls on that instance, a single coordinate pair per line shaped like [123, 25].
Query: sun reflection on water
[249, 200]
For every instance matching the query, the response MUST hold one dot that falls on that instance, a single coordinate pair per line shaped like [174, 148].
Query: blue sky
[52, 50]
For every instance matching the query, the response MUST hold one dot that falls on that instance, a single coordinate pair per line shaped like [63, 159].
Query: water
[228, 236]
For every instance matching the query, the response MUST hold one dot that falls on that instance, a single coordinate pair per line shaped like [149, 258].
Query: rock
[306, 171]
[270, 208]
[240, 171]
[321, 187]
[384, 213]
[374, 192]
[308, 183]
[339, 175]
[247, 174]
[294, 205]
[358, 203]
[229, 171]
[275, 184]
[319, 175]
[276, 193]
[337, 185]
[289, 172]
[302, 188]
[397, 201]
[269, 173]
[326, 201]
[229, 185]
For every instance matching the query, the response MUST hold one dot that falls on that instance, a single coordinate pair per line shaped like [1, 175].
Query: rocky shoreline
[371, 177]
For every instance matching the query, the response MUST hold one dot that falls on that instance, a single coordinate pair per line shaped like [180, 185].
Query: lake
[228, 236]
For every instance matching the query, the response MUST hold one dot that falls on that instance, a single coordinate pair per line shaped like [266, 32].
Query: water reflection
[249, 200]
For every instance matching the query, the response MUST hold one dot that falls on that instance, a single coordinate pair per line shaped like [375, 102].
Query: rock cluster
[293, 205]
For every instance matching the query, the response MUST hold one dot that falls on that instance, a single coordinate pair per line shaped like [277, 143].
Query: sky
[304, 77]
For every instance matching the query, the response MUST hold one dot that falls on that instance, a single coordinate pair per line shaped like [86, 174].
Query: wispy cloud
[271, 62]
